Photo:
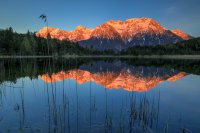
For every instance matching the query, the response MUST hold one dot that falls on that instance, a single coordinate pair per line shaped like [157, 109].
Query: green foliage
[25, 46]
[190, 47]
[12, 43]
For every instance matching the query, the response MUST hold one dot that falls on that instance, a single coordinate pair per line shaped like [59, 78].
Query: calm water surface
[99, 95]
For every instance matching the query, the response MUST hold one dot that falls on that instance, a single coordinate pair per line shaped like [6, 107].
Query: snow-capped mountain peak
[120, 34]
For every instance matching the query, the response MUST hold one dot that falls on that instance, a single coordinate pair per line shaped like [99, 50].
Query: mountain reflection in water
[99, 95]
[130, 80]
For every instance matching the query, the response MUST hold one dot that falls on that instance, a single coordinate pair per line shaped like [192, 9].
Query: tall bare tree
[44, 18]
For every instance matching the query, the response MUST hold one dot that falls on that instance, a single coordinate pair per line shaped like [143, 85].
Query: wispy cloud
[172, 10]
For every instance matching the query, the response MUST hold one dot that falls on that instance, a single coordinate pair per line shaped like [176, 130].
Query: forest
[12, 43]
[189, 47]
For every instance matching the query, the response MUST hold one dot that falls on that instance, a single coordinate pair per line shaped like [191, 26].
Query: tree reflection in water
[73, 99]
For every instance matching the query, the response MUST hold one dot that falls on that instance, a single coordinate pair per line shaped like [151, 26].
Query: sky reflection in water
[100, 96]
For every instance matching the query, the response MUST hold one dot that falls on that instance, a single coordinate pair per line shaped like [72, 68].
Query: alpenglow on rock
[118, 35]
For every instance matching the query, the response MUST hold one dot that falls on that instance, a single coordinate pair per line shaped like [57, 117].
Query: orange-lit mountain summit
[110, 80]
[119, 34]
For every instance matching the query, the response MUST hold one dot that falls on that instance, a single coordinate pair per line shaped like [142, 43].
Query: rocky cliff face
[181, 34]
[118, 35]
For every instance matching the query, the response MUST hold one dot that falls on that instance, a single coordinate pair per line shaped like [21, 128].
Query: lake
[96, 95]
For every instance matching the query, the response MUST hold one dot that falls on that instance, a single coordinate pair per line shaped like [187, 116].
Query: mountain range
[110, 80]
[118, 35]
[117, 75]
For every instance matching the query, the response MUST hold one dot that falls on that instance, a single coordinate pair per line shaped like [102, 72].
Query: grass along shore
[25, 56]
[195, 57]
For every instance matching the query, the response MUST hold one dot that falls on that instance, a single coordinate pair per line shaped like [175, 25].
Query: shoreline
[194, 57]
[24, 56]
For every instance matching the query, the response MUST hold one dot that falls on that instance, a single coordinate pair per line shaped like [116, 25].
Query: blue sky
[23, 15]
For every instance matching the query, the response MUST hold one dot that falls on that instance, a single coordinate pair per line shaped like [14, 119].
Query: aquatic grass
[142, 113]
[138, 111]
[2, 93]
[122, 117]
